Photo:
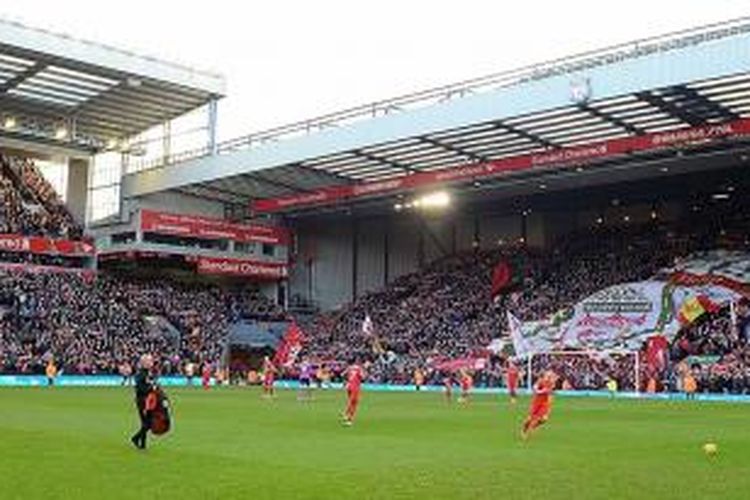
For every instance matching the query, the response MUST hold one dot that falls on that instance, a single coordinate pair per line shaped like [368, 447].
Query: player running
[541, 403]
[354, 375]
[269, 373]
[511, 380]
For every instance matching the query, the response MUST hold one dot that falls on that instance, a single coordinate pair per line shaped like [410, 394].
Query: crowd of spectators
[95, 325]
[29, 205]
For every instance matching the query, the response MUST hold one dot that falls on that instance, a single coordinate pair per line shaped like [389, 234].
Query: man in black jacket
[144, 384]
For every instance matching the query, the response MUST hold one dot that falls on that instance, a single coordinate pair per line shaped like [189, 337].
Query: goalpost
[601, 364]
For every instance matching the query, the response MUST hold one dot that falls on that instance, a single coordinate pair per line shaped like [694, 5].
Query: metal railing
[566, 65]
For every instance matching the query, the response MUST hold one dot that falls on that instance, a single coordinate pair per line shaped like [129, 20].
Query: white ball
[710, 449]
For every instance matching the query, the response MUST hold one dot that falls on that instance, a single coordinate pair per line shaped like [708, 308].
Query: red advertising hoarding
[193, 226]
[241, 267]
[47, 246]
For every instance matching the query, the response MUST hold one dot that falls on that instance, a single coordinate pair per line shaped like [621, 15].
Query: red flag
[656, 353]
[502, 277]
[709, 305]
[290, 346]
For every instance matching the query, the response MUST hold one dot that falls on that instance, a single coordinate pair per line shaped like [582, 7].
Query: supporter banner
[555, 158]
[239, 267]
[722, 268]
[194, 226]
[619, 317]
[47, 246]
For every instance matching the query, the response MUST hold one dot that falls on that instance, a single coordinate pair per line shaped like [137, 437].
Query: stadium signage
[625, 299]
[194, 226]
[46, 246]
[693, 134]
[239, 267]
[570, 154]
[558, 157]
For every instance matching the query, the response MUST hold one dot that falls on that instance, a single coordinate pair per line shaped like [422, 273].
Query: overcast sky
[287, 60]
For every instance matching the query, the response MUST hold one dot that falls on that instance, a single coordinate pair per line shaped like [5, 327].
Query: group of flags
[292, 341]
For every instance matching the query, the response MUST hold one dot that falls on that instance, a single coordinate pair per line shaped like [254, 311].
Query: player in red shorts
[354, 375]
[511, 380]
[541, 403]
[466, 384]
[269, 371]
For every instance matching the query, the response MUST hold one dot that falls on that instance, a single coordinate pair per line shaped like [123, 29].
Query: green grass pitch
[72, 443]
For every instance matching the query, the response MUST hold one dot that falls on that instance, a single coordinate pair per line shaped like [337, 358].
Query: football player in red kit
[354, 376]
[206, 376]
[541, 403]
[269, 372]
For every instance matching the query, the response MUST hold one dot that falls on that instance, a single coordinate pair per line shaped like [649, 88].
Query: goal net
[587, 370]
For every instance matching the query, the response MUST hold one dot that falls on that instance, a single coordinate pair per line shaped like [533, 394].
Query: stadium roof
[60, 89]
[680, 81]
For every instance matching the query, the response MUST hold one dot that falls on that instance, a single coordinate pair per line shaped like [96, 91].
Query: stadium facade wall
[371, 245]
[324, 273]
[77, 188]
[180, 203]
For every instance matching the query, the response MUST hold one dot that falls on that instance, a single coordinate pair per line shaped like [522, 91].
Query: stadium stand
[92, 326]
[30, 204]
[445, 310]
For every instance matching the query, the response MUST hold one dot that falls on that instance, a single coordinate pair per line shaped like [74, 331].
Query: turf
[229, 443]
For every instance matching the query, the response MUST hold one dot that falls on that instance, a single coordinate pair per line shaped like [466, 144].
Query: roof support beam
[329, 175]
[224, 194]
[372, 157]
[526, 135]
[610, 119]
[688, 105]
[20, 77]
[668, 108]
[188, 191]
[276, 183]
[454, 149]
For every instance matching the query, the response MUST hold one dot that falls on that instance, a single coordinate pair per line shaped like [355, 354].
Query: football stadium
[530, 284]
